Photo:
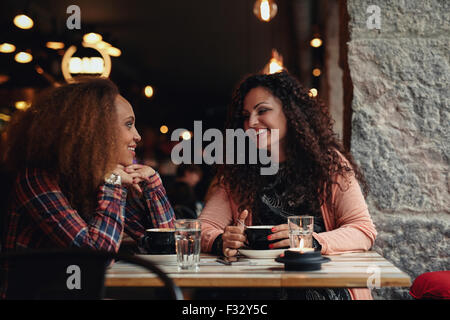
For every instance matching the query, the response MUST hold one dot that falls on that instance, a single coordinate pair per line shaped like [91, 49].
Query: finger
[135, 166]
[138, 176]
[135, 175]
[280, 244]
[129, 170]
[235, 237]
[280, 227]
[120, 166]
[146, 171]
[137, 188]
[242, 216]
[233, 244]
[227, 252]
[128, 178]
[234, 229]
[279, 235]
[145, 178]
[119, 171]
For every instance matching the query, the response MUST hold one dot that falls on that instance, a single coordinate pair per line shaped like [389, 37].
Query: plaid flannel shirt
[41, 216]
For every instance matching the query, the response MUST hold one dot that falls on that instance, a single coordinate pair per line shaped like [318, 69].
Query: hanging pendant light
[316, 42]
[7, 48]
[265, 10]
[55, 45]
[92, 38]
[113, 51]
[23, 57]
[313, 92]
[23, 21]
[275, 64]
[148, 91]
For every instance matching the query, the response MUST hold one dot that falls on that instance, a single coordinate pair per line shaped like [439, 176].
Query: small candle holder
[300, 260]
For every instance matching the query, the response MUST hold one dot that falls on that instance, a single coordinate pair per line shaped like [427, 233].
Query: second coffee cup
[257, 237]
[159, 241]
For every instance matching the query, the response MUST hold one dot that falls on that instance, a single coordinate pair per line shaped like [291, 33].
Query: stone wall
[400, 129]
[334, 72]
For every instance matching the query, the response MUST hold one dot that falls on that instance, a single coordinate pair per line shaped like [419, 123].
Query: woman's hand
[132, 175]
[280, 232]
[145, 172]
[233, 238]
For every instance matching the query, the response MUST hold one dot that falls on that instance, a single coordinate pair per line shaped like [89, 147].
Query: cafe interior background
[386, 86]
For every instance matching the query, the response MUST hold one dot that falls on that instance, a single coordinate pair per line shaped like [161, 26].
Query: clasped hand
[133, 174]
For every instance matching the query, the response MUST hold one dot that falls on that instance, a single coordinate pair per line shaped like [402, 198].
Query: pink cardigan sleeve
[350, 227]
[215, 216]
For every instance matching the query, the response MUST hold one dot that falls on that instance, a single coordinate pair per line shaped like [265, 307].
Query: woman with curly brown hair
[316, 176]
[74, 184]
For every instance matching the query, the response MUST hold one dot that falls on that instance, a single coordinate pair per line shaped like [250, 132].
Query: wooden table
[351, 270]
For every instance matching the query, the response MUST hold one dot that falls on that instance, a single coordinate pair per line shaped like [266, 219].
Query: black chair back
[74, 274]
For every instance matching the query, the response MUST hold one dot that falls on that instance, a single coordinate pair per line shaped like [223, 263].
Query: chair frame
[174, 291]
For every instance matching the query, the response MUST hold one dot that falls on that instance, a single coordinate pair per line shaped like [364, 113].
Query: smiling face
[263, 112]
[128, 135]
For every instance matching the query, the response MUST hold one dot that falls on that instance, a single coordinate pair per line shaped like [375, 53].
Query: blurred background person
[182, 193]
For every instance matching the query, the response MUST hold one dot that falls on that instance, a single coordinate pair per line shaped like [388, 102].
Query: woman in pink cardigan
[316, 176]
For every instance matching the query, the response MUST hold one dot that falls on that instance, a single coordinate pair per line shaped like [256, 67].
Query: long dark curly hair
[312, 162]
[69, 132]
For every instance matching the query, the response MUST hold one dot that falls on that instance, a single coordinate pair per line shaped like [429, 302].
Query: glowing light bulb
[23, 57]
[316, 42]
[265, 10]
[148, 91]
[86, 65]
[75, 65]
[275, 66]
[164, 129]
[55, 45]
[23, 22]
[113, 51]
[186, 135]
[313, 92]
[92, 38]
[102, 45]
[5, 117]
[96, 65]
[316, 72]
[22, 105]
[7, 47]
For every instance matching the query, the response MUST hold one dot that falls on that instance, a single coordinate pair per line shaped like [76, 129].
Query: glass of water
[301, 228]
[187, 239]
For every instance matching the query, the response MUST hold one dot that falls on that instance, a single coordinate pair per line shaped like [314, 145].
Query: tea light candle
[301, 249]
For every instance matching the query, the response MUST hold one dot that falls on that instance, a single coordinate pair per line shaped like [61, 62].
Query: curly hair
[69, 132]
[312, 163]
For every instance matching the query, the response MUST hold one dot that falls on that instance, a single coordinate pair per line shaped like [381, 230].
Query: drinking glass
[187, 242]
[301, 228]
